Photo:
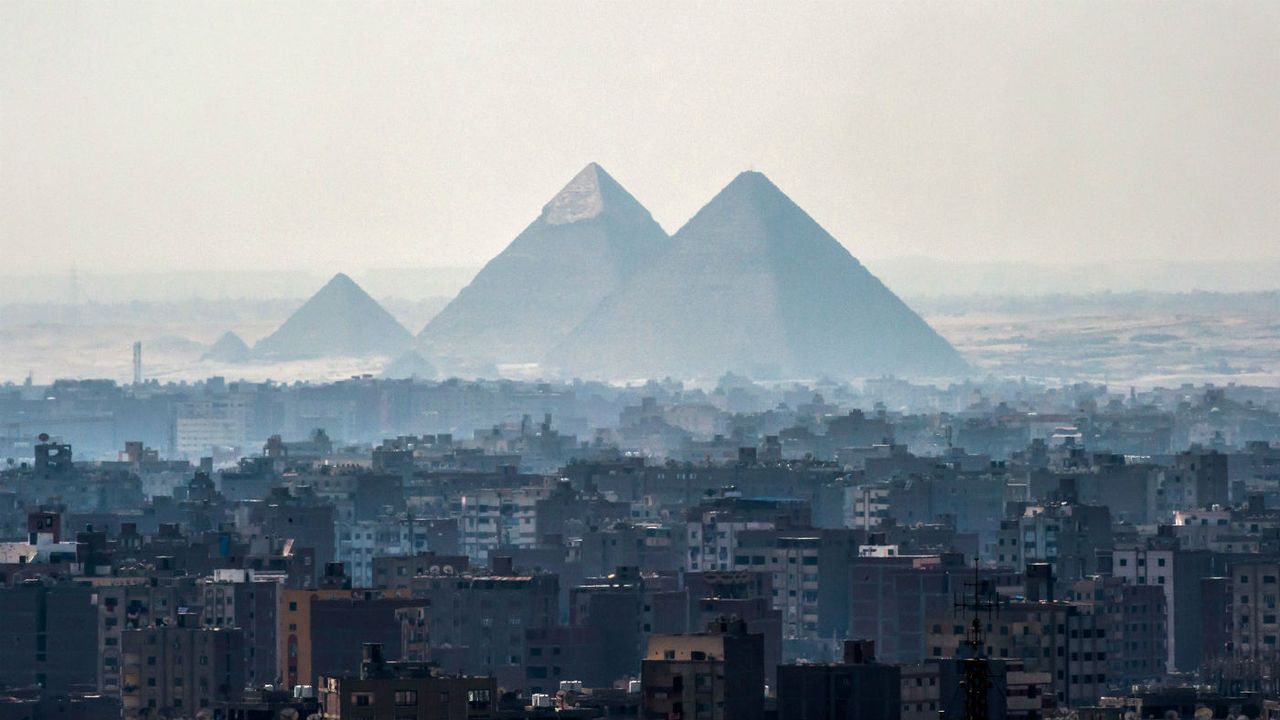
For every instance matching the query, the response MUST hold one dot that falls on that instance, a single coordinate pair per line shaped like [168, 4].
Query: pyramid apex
[580, 200]
[588, 195]
[752, 179]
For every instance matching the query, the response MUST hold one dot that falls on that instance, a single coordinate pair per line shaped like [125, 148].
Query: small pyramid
[753, 284]
[588, 240]
[229, 349]
[341, 319]
[409, 366]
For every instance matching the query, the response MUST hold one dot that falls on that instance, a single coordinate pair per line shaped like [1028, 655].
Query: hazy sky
[343, 136]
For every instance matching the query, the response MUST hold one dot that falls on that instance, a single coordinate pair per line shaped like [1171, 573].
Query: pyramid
[339, 320]
[229, 349]
[588, 240]
[409, 366]
[753, 284]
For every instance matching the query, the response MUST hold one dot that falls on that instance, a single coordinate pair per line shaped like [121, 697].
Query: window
[406, 698]
[478, 698]
[362, 699]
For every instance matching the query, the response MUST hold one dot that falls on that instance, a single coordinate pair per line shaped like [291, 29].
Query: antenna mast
[976, 666]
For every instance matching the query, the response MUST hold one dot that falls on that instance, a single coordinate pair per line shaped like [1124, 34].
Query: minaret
[137, 362]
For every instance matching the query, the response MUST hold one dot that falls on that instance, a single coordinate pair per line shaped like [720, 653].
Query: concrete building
[492, 518]
[1255, 592]
[1065, 640]
[389, 690]
[308, 640]
[713, 527]
[1162, 562]
[234, 599]
[625, 608]
[49, 636]
[714, 675]
[1069, 537]
[477, 623]
[180, 670]
[130, 603]
[201, 427]
[1136, 627]
[859, 688]
[398, 571]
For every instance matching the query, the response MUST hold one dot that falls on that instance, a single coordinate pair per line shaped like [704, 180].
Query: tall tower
[137, 362]
[975, 665]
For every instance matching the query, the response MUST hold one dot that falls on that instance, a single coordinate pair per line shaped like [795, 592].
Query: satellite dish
[1204, 713]
[43, 437]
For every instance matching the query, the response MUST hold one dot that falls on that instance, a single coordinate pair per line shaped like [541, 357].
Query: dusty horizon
[174, 136]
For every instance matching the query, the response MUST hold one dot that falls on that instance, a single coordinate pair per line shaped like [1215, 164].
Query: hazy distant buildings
[203, 427]
[540, 566]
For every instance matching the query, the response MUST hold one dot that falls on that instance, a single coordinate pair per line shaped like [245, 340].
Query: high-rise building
[178, 670]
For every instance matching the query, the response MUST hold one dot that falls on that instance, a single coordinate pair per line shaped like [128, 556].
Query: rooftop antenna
[976, 666]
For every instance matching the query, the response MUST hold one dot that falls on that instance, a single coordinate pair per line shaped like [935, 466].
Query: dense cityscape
[910, 360]
[585, 550]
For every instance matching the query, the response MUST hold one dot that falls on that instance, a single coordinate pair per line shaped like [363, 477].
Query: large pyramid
[753, 284]
[339, 320]
[588, 240]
